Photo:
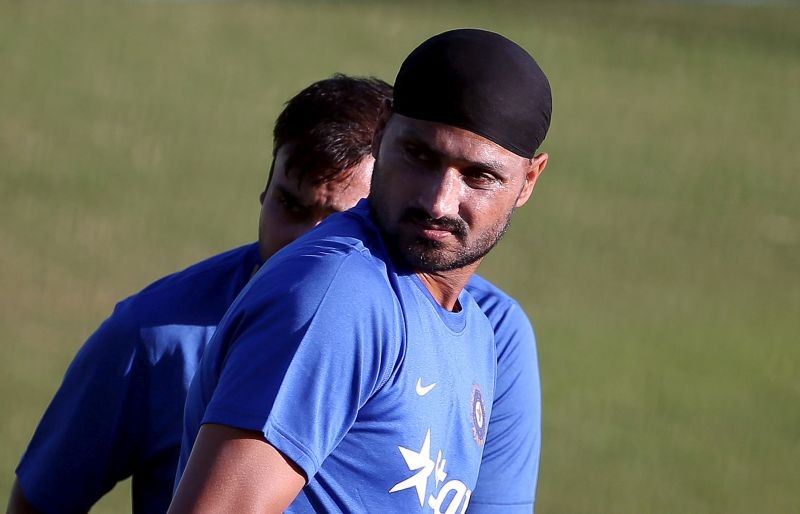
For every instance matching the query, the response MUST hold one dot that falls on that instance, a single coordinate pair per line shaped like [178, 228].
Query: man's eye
[418, 154]
[479, 178]
[290, 205]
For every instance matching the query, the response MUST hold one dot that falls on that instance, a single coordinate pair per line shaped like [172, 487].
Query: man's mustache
[455, 225]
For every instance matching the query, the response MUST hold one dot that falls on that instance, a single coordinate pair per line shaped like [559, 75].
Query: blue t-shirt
[119, 409]
[510, 464]
[350, 368]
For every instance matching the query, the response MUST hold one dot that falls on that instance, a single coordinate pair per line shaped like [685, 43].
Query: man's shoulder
[201, 285]
[489, 296]
[181, 307]
[347, 242]
[510, 323]
[341, 264]
[335, 267]
[350, 231]
[237, 261]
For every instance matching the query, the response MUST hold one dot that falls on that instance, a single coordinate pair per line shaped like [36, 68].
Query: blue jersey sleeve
[305, 357]
[510, 463]
[83, 445]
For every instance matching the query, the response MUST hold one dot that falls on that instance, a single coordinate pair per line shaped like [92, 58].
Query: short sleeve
[83, 444]
[305, 356]
[510, 463]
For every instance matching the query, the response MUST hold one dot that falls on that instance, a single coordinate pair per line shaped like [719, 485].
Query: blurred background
[659, 258]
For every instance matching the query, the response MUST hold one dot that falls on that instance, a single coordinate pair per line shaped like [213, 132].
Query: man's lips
[431, 230]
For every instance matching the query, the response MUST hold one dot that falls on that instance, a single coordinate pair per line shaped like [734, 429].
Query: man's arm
[234, 470]
[18, 504]
[85, 442]
[267, 407]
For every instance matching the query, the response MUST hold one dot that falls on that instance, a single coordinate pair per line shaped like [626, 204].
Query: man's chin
[429, 258]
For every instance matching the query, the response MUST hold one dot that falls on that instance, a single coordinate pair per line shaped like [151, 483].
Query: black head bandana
[479, 81]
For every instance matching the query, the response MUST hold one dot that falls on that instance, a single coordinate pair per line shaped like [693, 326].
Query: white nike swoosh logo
[423, 390]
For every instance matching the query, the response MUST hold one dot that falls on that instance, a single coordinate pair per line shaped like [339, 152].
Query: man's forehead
[338, 193]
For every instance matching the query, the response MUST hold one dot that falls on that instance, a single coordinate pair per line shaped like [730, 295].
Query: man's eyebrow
[411, 138]
[490, 165]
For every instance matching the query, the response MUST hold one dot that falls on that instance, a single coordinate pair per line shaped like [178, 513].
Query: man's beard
[429, 255]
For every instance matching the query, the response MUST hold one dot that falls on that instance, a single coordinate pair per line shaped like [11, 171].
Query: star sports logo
[421, 463]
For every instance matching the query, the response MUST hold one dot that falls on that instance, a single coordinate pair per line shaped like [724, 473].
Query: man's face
[289, 209]
[443, 195]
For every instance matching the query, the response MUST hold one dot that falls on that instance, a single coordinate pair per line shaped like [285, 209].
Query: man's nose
[441, 195]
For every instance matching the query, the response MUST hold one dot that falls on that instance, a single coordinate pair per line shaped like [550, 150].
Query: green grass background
[659, 258]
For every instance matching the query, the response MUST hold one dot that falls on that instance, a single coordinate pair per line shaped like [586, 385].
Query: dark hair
[329, 126]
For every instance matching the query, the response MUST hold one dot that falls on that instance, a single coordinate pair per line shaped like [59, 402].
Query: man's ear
[383, 119]
[269, 180]
[537, 166]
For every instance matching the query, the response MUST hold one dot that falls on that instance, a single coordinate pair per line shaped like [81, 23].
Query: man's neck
[446, 286]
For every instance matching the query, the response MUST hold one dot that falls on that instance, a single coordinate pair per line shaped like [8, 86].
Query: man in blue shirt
[354, 373]
[119, 410]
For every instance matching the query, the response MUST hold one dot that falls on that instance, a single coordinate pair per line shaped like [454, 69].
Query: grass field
[659, 259]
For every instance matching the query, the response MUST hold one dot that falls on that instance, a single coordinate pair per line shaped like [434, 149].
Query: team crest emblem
[478, 415]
